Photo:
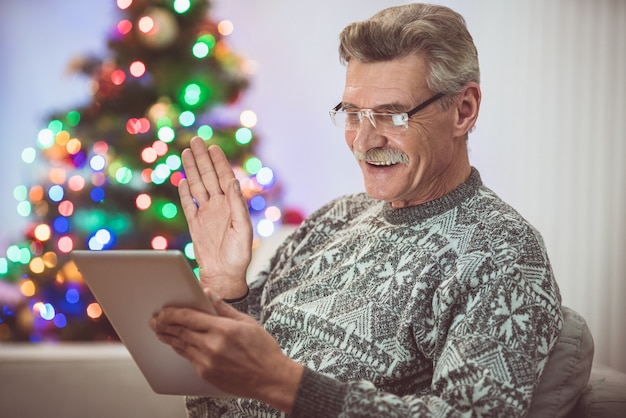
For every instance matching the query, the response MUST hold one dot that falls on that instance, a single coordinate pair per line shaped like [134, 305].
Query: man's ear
[467, 107]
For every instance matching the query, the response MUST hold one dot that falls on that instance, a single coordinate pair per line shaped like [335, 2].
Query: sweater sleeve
[493, 338]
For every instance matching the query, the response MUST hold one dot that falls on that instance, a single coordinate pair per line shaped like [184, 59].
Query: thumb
[224, 309]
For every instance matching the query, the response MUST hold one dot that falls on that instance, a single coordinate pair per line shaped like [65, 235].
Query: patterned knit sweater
[444, 309]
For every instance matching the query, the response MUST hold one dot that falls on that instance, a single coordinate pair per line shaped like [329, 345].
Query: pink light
[137, 126]
[146, 175]
[118, 77]
[149, 155]
[124, 26]
[124, 4]
[65, 244]
[160, 147]
[145, 24]
[137, 69]
[143, 201]
[159, 243]
[100, 147]
[66, 208]
[176, 177]
[76, 183]
[98, 179]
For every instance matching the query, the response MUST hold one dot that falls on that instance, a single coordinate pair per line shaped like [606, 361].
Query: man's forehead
[407, 74]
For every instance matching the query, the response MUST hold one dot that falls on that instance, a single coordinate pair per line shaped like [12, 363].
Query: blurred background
[550, 140]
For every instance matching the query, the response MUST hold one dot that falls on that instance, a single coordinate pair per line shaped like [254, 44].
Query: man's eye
[353, 116]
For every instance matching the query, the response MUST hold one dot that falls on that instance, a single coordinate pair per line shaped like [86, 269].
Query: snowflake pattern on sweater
[444, 309]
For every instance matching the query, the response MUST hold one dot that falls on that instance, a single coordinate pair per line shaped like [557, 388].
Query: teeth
[381, 163]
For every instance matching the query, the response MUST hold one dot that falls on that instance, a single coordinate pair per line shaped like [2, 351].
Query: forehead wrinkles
[376, 98]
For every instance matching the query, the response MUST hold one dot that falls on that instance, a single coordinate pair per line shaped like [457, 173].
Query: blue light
[47, 311]
[257, 203]
[6, 310]
[56, 193]
[97, 194]
[60, 321]
[72, 296]
[61, 225]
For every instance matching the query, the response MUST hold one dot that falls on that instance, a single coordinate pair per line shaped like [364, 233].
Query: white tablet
[131, 286]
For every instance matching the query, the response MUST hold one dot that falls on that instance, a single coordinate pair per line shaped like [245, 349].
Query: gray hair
[437, 32]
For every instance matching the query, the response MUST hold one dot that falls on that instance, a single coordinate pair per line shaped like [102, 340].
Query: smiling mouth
[379, 157]
[382, 163]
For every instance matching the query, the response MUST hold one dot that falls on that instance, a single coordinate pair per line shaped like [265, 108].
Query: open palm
[218, 219]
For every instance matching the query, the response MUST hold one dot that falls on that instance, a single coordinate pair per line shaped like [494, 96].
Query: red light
[118, 77]
[124, 26]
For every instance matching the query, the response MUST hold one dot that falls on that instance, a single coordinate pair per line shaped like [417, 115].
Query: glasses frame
[404, 116]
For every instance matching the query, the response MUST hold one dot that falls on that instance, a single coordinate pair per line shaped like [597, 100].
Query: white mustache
[382, 156]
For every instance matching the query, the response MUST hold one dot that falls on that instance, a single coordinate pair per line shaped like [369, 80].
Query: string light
[225, 27]
[243, 136]
[124, 4]
[137, 69]
[181, 6]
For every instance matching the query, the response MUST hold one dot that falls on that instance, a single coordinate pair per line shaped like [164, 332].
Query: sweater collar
[435, 207]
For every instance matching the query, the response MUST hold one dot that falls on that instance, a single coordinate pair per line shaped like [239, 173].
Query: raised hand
[218, 219]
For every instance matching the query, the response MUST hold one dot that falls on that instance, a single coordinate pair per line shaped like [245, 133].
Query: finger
[224, 310]
[204, 167]
[196, 187]
[222, 167]
[239, 209]
[187, 202]
[175, 321]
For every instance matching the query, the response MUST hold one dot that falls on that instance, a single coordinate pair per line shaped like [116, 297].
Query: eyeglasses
[351, 120]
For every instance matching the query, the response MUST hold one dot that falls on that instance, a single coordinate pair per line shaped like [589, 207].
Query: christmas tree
[107, 171]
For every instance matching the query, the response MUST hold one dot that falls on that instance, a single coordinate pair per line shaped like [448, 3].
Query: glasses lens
[383, 122]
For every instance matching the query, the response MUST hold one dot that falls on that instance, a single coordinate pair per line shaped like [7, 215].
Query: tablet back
[131, 286]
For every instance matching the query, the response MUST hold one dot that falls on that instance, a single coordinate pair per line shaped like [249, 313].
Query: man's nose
[367, 137]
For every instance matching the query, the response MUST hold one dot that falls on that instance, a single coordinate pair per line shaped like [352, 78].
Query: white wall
[550, 139]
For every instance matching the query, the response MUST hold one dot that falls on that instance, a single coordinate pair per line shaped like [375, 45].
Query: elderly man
[425, 296]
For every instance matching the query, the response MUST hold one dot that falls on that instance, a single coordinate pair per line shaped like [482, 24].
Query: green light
[91, 220]
[120, 224]
[196, 271]
[20, 193]
[25, 256]
[253, 165]
[203, 45]
[243, 136]
[24, 209]
[55, 126]
[181, 6]
[72, 118]
[207, 39]
[205, 132]
[163, 121]
[13, 253]
[187, 118]
[200, 50]
[166, 134]
[124, 175]
[29, 154]
[173, 162]
[189, 251]
[192, 94]
[45, 138]
[4, 266]
[169, 210]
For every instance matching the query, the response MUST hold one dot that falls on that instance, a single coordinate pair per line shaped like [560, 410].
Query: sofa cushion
[604, 397]
[567, 371]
